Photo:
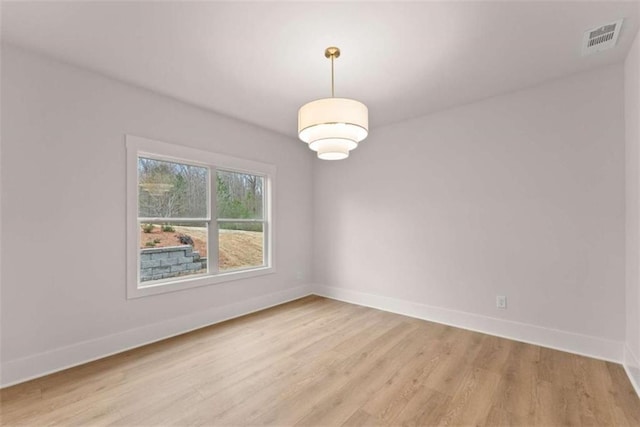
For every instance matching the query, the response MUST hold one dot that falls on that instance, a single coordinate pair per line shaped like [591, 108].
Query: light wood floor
[321, 362]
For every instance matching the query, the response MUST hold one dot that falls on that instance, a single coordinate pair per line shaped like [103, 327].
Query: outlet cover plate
[501, 301]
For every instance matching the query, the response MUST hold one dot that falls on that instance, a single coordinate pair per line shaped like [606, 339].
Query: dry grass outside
[237, 248]
[240, 249]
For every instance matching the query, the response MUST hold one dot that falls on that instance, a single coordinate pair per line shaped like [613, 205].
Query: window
[195, 218]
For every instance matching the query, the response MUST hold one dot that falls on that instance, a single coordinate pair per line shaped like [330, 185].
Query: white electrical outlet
[501, 301]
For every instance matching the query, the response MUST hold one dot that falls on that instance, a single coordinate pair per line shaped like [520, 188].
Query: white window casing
[143, 147]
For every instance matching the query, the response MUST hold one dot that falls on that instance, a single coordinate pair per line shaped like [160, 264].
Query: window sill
[134, 290]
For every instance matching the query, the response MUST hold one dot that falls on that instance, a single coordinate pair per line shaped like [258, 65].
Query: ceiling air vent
[601, 38]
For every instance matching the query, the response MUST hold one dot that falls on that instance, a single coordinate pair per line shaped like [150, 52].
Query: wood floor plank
[317, 361]
[251, 363]
[517, 389]
[336, 408]
[555, 405]
[361, 418]
[399, 390]
[557, 367]
[595, 406]
[498, 417]
[460, 349]
[294, 406]
[493, 353]
[426, 408]
[473, 399]
[624, 396]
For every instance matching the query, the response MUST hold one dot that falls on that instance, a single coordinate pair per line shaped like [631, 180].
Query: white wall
[63, 175]
[632, 127]
[519, 195]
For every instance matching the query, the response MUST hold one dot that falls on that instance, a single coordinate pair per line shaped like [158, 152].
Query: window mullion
[213, 241]
[266, 224]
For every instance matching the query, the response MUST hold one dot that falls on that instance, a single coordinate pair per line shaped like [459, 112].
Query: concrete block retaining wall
[172, 261]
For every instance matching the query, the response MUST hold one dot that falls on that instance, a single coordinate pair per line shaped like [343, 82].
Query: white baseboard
[585, 345]
[27, 368]
[632, 367]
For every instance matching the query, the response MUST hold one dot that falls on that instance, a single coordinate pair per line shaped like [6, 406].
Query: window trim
[139, 146]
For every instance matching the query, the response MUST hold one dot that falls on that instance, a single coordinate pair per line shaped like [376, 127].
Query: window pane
[172, 190]
[241, 245]
[172, 250]
[239, 195]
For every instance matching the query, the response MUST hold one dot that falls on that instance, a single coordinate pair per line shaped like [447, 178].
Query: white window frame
[143, 147]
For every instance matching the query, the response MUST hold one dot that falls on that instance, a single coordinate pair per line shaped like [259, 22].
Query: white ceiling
[260, 61]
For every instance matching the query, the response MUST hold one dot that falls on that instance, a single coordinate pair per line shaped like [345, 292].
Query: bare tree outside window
[171, 190]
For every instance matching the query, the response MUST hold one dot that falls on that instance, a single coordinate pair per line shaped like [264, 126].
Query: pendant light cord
[332, 89]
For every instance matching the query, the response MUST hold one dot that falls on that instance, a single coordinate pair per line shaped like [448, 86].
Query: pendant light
[333, 126]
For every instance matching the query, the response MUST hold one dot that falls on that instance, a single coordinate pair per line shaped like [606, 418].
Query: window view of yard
[173, 215]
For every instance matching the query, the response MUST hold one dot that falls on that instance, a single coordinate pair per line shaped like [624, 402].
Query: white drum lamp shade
[333, 126]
